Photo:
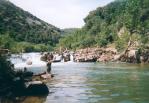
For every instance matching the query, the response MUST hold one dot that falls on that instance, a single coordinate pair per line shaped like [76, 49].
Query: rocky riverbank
[111, 54]
[95, 54]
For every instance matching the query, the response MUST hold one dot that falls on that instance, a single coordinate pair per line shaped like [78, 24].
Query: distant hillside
[121, 22]
[23, 26]
[68, 31]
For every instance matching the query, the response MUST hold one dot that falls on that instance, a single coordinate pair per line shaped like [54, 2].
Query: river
[96, 83]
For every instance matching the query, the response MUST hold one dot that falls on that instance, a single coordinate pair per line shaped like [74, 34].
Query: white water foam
[37, 66]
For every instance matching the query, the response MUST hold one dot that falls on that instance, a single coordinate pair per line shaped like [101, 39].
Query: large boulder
[133, 56]
[37, 88]
[130, 56]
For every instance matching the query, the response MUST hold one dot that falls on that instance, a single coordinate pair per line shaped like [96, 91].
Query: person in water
[25, 69]
[49, 60]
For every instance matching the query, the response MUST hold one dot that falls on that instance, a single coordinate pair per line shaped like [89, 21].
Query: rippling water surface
[97, 83]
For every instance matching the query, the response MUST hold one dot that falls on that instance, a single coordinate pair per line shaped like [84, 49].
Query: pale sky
[61, 13]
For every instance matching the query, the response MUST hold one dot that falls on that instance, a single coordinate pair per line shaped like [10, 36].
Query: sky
[61, 13]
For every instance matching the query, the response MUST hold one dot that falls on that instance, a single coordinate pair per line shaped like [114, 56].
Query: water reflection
[29, 99]
[34, 100]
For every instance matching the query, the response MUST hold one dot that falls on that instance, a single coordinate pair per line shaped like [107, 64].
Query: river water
[97, 83]
[91, 82]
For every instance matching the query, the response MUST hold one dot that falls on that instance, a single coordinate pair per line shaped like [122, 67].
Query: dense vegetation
[6, 74]
[21, 27]
[6, 68]
[117, 23]
[15, 47]
[121, 23]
